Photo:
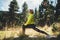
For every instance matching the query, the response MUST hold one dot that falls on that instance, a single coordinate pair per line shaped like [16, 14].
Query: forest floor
[17, 32]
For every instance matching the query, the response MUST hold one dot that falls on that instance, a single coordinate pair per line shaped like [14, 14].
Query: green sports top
[30, 19]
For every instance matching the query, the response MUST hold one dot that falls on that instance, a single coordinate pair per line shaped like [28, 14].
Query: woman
[31, 24]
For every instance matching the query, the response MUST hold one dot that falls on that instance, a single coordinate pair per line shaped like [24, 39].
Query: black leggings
[33, 27]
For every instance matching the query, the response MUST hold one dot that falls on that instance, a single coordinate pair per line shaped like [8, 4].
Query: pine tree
[35, 12]
[58, 4]
[57, 9]
[24, 11]
[13, 8]
[45, 11]
[40, 11]
[36, 16]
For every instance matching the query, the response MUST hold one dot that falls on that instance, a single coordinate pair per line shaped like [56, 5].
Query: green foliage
[1, 16]
[54, 28]
[13, 9]
[40, 15]
[13, 6]
[45, 0]
[58, 18]
[58, 36]
[35, 12]
[46, 12]
[25, 6]
[24, 11]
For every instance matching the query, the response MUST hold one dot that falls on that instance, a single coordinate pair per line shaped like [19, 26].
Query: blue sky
[32, 4]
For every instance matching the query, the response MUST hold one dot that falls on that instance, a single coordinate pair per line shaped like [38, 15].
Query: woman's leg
[23, 29]
[40, 31]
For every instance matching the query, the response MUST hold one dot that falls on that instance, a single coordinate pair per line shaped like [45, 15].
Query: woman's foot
[49, 36]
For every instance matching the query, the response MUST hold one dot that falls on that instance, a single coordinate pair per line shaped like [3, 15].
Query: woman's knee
[23, 26]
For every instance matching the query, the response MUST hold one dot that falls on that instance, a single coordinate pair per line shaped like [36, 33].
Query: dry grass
[16, 32]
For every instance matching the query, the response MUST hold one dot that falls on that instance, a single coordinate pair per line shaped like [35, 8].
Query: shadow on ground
[32, 38]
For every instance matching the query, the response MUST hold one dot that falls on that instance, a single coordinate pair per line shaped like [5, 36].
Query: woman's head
[31, 11]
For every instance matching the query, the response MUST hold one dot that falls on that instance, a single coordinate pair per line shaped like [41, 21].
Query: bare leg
[23, 30]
